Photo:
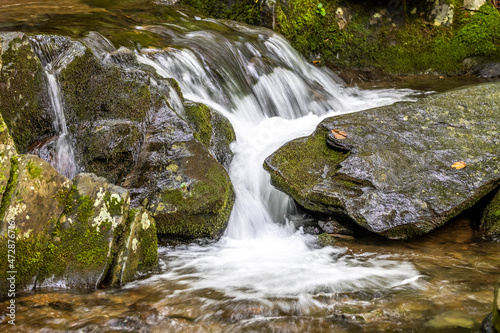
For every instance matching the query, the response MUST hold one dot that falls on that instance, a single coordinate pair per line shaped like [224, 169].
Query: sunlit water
[264, 274]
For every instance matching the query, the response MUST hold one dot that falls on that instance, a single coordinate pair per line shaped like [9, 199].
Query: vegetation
[396, 37]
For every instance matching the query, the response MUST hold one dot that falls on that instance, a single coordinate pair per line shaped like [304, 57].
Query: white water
[64, 161]
[261, 255]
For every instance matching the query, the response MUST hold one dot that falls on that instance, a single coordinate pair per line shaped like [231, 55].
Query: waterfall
[271, 96]
[54, 53]
[64, 161]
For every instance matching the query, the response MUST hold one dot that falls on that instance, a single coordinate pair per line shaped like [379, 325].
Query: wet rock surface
[188, 192]
[391, 168]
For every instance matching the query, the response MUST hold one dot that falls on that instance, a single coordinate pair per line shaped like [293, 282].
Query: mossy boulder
[138, 248]
[176, 178]
[105, 103]
[86, 236]
[213, 130]
[390, 169]
[24, 100]
[32, 202]
[490, 221]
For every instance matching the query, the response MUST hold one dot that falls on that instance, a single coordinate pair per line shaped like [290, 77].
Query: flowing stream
[264, 274]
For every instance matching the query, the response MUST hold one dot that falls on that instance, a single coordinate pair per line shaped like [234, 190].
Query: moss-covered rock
[390, 168]
[490, 221]
[24, 101]
[138, 248]
[213, 130]
[177, 179]
[32, 202]
[86, 236]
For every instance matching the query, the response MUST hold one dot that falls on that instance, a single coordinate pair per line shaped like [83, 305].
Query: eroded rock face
[392, 173]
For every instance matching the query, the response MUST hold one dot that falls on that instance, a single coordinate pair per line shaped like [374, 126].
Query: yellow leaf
[316, 62]
[459, 165]
[339, 135]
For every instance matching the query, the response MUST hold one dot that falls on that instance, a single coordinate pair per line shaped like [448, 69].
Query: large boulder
[393, 170]
[31, 205]
[24, 99]
[176, 178]
[87, 234]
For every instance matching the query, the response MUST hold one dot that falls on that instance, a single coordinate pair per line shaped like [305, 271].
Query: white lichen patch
[100, 197]
[134, 244]
[15, 210]
[104, 216]
[145, 222]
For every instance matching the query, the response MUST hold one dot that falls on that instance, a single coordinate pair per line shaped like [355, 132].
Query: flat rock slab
[390, 168]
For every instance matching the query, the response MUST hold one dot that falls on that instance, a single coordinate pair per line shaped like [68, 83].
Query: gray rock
[397, 180]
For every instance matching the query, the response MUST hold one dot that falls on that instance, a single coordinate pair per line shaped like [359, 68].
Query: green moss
[200, 116]
[311, 154]
[34, 170]
[490, 221]
[93, 91]
[202, 208]
[114, 204]
[76, 247]
[23, 100]
[11, 186]
[325, 240]
[149, 246]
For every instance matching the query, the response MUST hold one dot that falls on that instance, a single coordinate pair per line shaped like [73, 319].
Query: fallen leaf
[316, 62]
[339, 135]
[459, 165]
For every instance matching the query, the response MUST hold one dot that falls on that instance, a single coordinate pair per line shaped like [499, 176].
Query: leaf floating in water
[316, 62]
[339, 135]
[459, 165]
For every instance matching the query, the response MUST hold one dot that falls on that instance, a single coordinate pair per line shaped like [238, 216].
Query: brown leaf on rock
[339, 135]
[459, 165]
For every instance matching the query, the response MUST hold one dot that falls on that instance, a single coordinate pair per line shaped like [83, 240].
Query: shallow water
[453, 294]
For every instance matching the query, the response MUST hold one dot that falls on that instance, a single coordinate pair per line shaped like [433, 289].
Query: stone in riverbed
[176, 178]
[85, 238]
[138, 247]
[32, 202]
[25, 104]
[397, 179]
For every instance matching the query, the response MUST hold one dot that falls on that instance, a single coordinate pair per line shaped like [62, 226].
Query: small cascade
[54, 53]
[271, 96]
[65, 157]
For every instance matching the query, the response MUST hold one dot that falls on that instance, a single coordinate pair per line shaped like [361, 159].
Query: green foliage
[480, 33]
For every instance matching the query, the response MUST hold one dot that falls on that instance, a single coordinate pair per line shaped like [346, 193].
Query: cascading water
[271, 96]
[65, 157]
[54, 54]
